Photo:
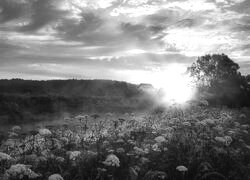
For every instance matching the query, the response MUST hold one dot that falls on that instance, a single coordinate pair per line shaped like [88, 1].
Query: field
[198, 142]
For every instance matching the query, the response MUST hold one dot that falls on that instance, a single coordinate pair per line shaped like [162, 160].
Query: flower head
[181, 168]
[4, 156]
[74, 154]
[19, 171]
[16, 128]
[55, 177]
[160, 139]
[44, 132]
[112, 160]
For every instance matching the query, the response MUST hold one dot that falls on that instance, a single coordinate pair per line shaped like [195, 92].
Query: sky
[127, 40]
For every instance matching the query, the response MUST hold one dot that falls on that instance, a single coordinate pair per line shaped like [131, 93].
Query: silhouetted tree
[217, 76]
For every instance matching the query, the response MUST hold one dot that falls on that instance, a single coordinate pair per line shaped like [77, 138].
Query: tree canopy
[218, 76]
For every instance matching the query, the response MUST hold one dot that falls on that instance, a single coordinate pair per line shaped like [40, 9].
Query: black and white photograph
[124, 89]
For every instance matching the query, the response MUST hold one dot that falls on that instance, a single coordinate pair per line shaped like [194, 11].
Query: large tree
[218, 76]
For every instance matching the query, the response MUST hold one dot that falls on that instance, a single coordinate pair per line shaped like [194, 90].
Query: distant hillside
[27, 100]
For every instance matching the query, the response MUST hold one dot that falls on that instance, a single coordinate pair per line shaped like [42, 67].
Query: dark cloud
[10, 9]
[43, 13]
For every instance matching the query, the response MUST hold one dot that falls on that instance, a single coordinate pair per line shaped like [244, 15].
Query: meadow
[197, 142]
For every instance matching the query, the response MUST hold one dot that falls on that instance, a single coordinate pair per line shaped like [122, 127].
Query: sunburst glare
[174, 84]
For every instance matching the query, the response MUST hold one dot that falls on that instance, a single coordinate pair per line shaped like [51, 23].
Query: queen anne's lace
[4, 156]
[55, 177]
[44, 132]
[19, 171]
[112, 160]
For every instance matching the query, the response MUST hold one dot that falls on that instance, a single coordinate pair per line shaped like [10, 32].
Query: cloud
[119, 38]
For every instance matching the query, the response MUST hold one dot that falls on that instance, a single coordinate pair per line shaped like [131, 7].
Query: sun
[174, 84]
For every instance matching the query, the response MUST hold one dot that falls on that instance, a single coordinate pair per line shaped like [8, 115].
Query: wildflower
[156, 148]
[111, 151]
[220, 139]
[242, 116]
[231, 132]
[186, 123]
[139, 151]
[77, 139]
[120, 150]
[112, 160]
[204, 102]
[160, 139]
[44, 132]
[165, 149]
[55, 177]
[218, 128]
[73, 154]
[181, 168]
[105, 143]
[120, 141]
[4, 156]
[228, 140]
[16, 128]
[60, 159]
[131, 142]
[19, 171]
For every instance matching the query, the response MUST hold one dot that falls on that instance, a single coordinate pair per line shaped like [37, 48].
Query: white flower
[60, 159]
[156, 148]
[120, 150]
[74, 154]
[181, 168]
[44, 132]
[112, 160]
[242, 116]
[68, 133]
[120, 141]
[160, 139]
[220, 139]
[16, 128]
[139, 151]
[55, 177]
[204, 102]
[19, 171]
[231, 132]
[4, 156]
[209, 121]
[228, 140]
[186, 123]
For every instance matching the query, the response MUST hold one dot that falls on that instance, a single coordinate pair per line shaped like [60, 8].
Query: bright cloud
[120, 38]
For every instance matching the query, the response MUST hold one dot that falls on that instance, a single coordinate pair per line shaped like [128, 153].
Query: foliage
[198, 143]
[218, 79]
